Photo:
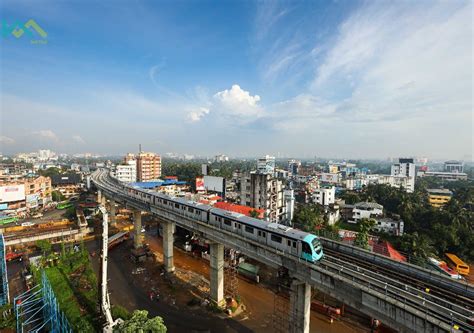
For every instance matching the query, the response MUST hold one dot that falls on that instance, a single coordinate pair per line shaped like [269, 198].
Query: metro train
[289, 240]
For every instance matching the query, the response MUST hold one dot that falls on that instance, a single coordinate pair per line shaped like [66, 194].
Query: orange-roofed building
[386, 249]
[239, 209]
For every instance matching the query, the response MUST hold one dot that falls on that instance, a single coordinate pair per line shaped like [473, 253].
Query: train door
[294, 247]
[262, 236]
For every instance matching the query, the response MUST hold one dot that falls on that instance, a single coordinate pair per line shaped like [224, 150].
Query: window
[176, 205]
[289, 242]
[294, 245]
[264, 234]
[259, 233]
[276, 239]
[190, 210]
[239, 226]
[306, 248]
[227, 222]
[249, 229]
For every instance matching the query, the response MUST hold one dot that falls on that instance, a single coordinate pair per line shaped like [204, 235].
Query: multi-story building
[389, 225]
[405, 168]
[127, 172]
[324, 196]
[67, 184]
[221, 158]
[438, 197]
[448, 176]
[293, 166]
[453, 166]
[37, 191]
[148, 165]
[266, 165]
[264, 191]
[365, 210]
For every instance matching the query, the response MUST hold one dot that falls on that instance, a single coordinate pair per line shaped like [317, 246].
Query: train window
[165, 202]
[249, 229]
[227, 222]
[294, 245]
[176, 205]
[306, 248]
[289, 242]
[190, 210]
[259, 233]
[276, 239]
[198, 212]
[238, 225]
[264, 234]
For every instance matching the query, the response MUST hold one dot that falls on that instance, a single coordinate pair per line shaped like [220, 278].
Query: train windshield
[316, 243]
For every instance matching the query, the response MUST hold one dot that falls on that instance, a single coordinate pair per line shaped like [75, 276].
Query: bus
[460, 266]
[7, 219]
[64, 205]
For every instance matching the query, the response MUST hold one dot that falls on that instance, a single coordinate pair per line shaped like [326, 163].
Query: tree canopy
[140, 323]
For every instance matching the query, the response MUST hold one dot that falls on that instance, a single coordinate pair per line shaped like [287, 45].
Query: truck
[249, 271]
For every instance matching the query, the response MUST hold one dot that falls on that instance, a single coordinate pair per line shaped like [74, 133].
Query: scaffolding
[231, 282]
[37, 310]
[282, 318]
[4, 293]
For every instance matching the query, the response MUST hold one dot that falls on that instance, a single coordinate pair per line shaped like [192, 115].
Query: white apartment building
[404, 168]
[266, 164]
[264, 191]
[221, 158]
[324, 196]
[127, 173]
[390, 226]
[366, 210]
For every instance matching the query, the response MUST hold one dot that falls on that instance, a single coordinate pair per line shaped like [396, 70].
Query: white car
[27, 224]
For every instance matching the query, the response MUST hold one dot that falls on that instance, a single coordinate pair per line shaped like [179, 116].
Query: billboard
[214, 184]
[32, 200]
[11, 193]
[200, 184]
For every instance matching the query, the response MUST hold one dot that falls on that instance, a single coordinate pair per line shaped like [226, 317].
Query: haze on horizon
[350, 79]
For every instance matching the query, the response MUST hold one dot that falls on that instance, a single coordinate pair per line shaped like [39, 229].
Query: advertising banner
[11, 193]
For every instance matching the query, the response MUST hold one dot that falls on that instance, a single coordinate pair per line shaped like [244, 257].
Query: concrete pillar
[300, 306]
[217, 273]
[168, 240]
[137, 225]
[99, 196]
[112, 212]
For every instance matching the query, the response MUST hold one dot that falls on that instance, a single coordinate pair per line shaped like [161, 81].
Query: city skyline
[325, 79]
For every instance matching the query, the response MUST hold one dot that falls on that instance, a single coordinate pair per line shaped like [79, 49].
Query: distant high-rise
[453, 166]
[266, 165]
[405, 168]
[148, 167]
[293, 166]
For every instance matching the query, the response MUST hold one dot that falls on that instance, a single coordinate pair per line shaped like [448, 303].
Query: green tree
[418, 247]
[253, 213]
[140, 323]
[45, 246]
[57, 196]
[362, 238]
[309, 217]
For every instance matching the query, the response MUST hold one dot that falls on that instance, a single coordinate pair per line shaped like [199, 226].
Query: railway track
[450, 296]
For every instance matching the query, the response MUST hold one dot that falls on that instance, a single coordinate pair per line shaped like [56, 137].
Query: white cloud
[78, 139]
[6, 140]
[196, 115]
[237, 102]
[46, 134]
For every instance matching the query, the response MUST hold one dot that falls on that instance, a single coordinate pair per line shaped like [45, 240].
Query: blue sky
[318, 78]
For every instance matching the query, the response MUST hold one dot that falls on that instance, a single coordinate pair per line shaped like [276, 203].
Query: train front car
[312, 249]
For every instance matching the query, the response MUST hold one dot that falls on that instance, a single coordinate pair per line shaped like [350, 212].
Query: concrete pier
[112, 219]
[168, 240]
[99, 196]
[217, 273]
[137, 231]
[300, 306]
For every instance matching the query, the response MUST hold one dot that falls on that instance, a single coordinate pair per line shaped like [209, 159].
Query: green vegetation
[429, 230]
[57, 196]
[49, 172]
[139, 322]
[253, 213]
[7, 318]
[120, 312]
[362, 238]
[309, 217]
[75, 286]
